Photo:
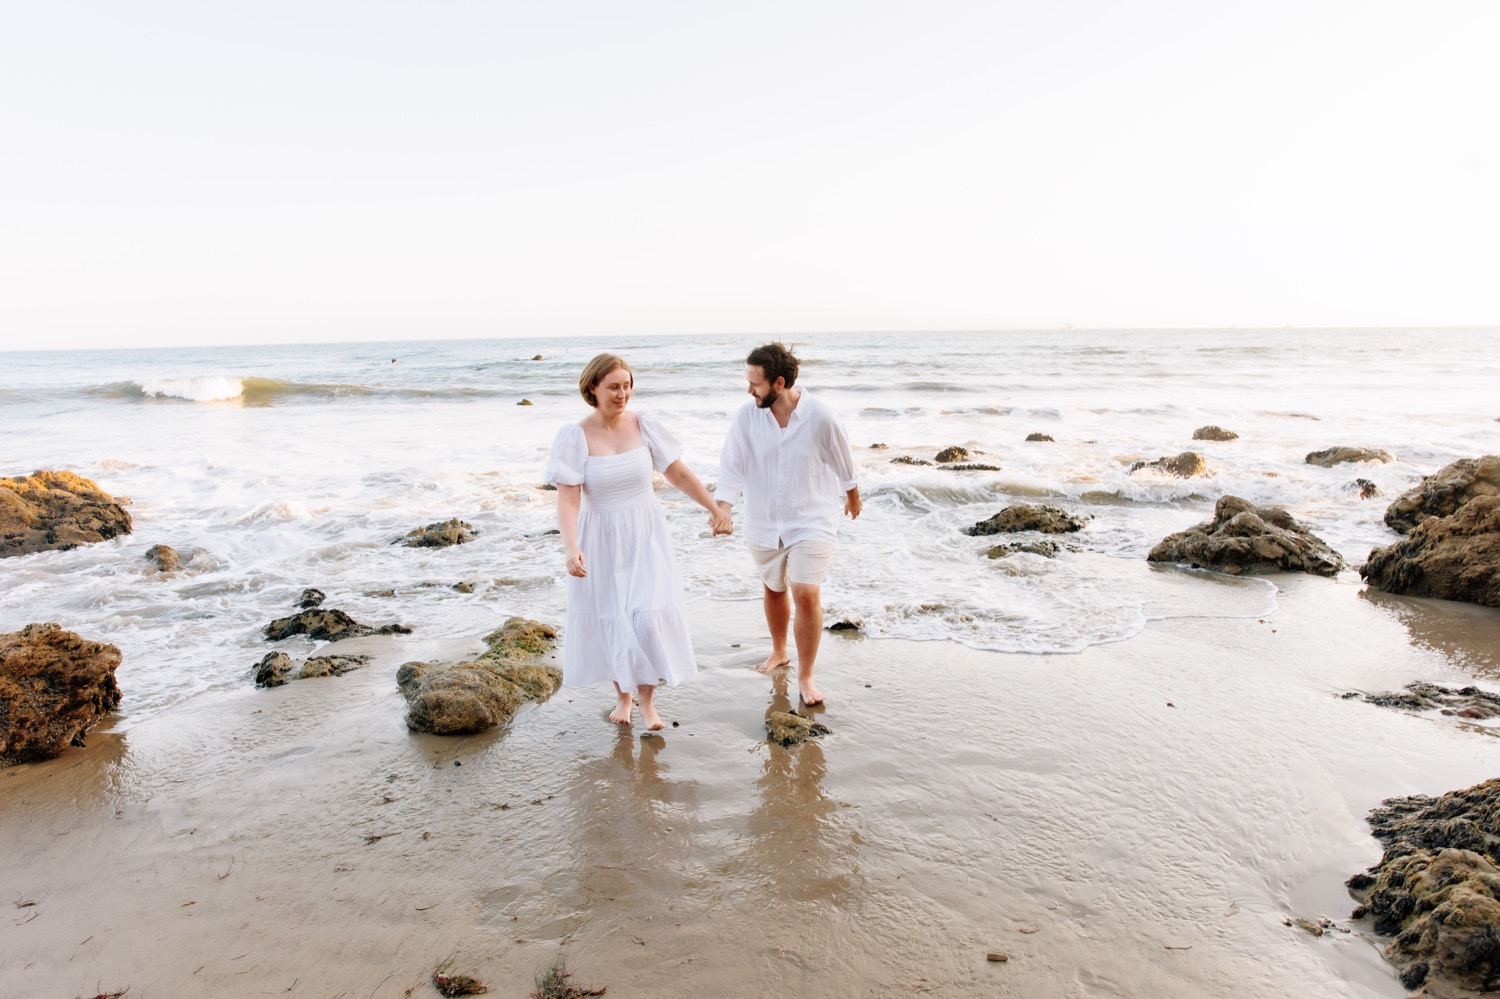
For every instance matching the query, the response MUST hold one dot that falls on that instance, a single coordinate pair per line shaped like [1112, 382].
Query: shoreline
[1136, 819]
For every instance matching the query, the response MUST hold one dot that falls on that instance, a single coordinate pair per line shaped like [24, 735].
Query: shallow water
[276, 468]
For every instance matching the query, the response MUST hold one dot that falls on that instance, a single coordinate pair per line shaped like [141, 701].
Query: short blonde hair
[594, 373]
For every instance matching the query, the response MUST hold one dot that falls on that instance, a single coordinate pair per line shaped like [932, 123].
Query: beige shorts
[805, 562]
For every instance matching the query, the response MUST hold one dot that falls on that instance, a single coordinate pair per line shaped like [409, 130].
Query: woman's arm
[683, 478]
[568, 498]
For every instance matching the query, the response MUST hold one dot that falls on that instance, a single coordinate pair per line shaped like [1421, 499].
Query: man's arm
[731, 481]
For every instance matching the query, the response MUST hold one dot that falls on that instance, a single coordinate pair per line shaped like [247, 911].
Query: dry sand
[1137, 820]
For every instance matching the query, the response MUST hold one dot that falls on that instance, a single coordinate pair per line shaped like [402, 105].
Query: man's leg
[778, 607]
[808, 632]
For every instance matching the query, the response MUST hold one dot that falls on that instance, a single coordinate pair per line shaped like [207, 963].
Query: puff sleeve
[664, 448]
[569, 451]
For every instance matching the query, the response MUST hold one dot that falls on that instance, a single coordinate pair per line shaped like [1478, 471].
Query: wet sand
[1136, 820]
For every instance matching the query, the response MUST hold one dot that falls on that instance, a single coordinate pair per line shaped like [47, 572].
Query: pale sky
[201, 172]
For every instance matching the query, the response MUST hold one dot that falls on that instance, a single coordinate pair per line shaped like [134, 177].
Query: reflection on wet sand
[1467, 635]
[795, 850]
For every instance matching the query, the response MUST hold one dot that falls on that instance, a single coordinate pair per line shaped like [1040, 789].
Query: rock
[1443, 492]
[56, 511]
[1436, 889]
[310, 598]
[1046, 549]
[166, 559]
[440, 535]
[996, 957]
[1450, 558]
[908, 460]
[467, 697]
[877, 447]
[787, 728]
[54, 685]
[538, 357]
[1464, 702]
[273, 669]
[970, 466]
[1245, 538]
[1365, 488]
[1213, 433]
[844, 624]
[525, 402]
[1025, 517]
[464, 586]
[1185, 465]
[951, 454]
[1039, 438]
[1338, 455]
[326, 625]
[330, 666]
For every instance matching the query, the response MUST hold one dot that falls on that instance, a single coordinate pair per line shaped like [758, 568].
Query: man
[788, 455]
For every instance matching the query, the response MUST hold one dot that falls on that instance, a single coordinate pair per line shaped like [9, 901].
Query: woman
[626, 620]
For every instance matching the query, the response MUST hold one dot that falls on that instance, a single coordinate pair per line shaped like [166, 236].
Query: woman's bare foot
[774, 662]
[810, 694]
[621, 714]
[653, 720]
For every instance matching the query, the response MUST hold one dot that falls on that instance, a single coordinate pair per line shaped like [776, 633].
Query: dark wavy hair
[776, 361]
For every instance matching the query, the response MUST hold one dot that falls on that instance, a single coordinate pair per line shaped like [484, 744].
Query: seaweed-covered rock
[1213, 433]
[787, 728]
[1451, 558]
[467, 697]
[1028, 517]
[1244, 538]
[440, 535]
[951, 454]
[1444, 491]
[1365, 488]
[970, 466]
[1039, 438]
[330, 666]
[165, 558]
[1462, 702]
[907, 459]
[54, 685]
[1436, 889]
[1329, 457]
[326, 625]
[48, 511]
[1186, 465]
[311, 598]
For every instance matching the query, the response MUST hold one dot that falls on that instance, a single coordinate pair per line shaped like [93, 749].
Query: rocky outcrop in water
[1213, 433]
[54, 685]
[440, 535]
[1450, 558]
[1046, 549]
[1436, 890]
[48, 511]
[276, 668]
[1185, 465]
[1339, 455]
[165, 558]
[1245, 538]
[787, 728]
[1469, 703]
[951, 454]
[1365, 488]
[970, 466]
[1443, 492]
[906, 459]
[1038, 438]
[311, 598]
[467, 697]
[327, 626]
[1028, 517]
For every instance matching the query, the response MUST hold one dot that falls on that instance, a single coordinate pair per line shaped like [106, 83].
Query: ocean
[272, 469]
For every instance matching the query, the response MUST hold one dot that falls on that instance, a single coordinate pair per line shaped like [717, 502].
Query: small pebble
[997, 957]
[458, 763]
[674, 724]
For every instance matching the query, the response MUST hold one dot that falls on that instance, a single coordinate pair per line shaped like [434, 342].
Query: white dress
[626, 619]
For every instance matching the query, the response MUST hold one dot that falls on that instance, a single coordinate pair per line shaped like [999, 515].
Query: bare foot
[621, 714]
[773, 662]
[653, 720]
[810, 695]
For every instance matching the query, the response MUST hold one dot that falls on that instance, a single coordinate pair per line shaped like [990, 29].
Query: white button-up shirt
[792, 479]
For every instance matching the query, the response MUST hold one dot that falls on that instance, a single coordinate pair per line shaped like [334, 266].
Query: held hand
[575, 564]
[721, 522]
[853, 504]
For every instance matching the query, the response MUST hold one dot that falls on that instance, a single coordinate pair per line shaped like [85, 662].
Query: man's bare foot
[810, 695]
[653, 720]
[773, 662]
[621, 714]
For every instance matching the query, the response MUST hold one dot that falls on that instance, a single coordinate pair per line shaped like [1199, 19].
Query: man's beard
[769, 400]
